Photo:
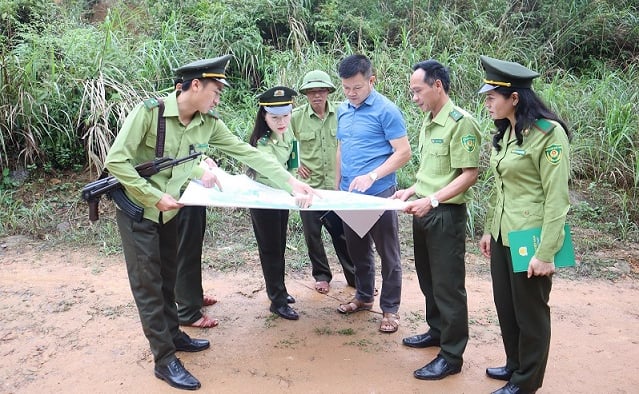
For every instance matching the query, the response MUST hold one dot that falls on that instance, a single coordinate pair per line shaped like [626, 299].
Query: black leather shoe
[436, 369]
[421, 341]
[184, 343]
[510, 388]
[499, 373]
[290, 299]
[177, 376]
[285, 311]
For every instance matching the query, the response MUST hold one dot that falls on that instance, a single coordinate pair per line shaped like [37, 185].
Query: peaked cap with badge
[206, 68]
[277, 100]
[500, 73]
[316, 79]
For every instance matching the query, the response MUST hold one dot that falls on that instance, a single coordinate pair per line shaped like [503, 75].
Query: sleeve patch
[544, 125]
[554, 153]
[469, 142]
[456, 115]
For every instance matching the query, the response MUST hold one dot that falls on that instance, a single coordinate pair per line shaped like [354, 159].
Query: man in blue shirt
[372, 145]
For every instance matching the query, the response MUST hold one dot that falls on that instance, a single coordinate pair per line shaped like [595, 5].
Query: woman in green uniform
[271, 135]
[530, 163]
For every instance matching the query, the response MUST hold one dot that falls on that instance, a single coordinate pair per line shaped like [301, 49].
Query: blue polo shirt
[364, 133]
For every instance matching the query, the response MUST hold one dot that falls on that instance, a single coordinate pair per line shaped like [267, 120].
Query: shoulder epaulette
[544, 125]
[456, 115]
[151, 103]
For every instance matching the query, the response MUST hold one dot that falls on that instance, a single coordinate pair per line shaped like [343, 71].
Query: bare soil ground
[69, 324]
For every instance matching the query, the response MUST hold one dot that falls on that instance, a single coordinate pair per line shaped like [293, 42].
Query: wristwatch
[434, 202]
[372, 175]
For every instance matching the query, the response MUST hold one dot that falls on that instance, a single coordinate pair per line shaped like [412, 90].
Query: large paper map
[359, 211]
[241, 191]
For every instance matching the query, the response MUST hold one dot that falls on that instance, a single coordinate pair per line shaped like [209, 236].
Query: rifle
[109, 185]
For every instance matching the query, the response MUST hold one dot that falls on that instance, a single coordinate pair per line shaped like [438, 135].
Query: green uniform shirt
[531, 186]
[135, 144]
[317, 144]
[447, 143]
[277, 147]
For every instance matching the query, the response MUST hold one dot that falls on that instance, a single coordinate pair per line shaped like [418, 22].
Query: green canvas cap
[507, 74]
[206, 68]
[277, 100]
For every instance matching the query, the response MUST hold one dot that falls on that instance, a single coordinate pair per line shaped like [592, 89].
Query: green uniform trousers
[439, 240]
[150, 254]
[188, 284]
[270, 227]
[312, 223]
[524, 318]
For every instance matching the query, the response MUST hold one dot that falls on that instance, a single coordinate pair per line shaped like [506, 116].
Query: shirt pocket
[531, 214]
[439, 156]
[307, 136]
[150, 140]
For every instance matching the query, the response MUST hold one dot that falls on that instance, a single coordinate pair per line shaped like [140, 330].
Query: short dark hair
[353, 65]
[434, 70]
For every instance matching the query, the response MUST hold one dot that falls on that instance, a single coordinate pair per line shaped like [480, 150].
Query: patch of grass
[270, 320]
[288, 343]
[363, 344]
[346, 331]
[324, 331]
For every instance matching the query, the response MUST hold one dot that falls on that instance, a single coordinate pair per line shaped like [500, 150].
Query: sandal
[390, 322]
[208, 300]
[355, 305]
[204, 322]
[322, 287]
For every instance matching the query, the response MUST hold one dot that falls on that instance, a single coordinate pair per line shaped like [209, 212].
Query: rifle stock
[109, 185]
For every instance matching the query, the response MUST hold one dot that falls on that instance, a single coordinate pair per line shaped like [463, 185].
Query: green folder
[293, 161]
[524, 243]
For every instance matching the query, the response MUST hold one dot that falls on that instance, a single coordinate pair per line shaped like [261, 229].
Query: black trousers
[188, 284]
[524, 317]
[312, 222]
[150, 254]
[270, 226]
[439, 243]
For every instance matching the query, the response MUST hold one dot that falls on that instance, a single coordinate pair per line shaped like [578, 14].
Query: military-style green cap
[503, 73]
[277, 100]
[316, 79]
[205, 68]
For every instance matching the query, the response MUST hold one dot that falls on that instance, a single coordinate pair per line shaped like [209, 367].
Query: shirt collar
[442, 117]
[370, 100]
[329, 110]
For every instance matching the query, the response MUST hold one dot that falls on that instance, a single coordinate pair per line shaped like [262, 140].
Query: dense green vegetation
[71, 70]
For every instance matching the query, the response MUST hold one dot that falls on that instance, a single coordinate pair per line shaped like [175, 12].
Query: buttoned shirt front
[317, 143]
[135, 144]
[531, 187]
[365, 133]
[447, 143]
[279, 148]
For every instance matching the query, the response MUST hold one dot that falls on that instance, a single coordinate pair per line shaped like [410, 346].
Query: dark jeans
[439, 244]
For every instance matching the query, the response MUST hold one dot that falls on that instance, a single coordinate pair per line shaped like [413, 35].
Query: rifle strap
[161, 132]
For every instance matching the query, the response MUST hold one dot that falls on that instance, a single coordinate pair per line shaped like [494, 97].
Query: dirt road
[68, 324]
